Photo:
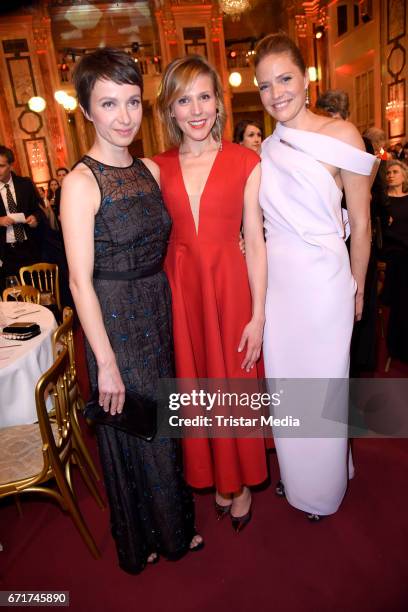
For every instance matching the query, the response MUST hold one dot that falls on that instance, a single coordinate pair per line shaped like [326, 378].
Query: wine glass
[13, 283]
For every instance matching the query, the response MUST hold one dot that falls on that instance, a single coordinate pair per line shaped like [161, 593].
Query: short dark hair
[104, 64]
[334, 101]
[62, 168]
[274, 44]
[7, 153]
[241, 126]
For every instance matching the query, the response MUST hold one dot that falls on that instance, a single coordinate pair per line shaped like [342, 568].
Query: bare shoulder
[80, 175]
[344, 131]
[80, 187]
[153, 167]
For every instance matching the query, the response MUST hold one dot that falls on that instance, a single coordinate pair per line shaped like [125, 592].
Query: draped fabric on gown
[211, 304]
[150, 504]
[311, 295]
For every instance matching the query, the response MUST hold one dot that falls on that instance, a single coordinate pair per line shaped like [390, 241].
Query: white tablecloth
[22, 366]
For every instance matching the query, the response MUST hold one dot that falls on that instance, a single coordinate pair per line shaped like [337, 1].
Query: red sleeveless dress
[211, 304]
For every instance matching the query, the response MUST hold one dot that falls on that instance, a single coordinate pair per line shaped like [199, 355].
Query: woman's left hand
[359, 307]
[241, 243]
[252, 338]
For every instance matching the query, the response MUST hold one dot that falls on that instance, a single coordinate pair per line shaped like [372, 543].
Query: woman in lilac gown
[313, 295]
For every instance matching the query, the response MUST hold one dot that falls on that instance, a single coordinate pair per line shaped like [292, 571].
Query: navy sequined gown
[151, 507]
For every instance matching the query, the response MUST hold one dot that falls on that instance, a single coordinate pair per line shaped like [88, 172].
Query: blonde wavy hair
[177, 77]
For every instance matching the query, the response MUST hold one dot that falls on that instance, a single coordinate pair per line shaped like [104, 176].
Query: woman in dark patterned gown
[115, 231]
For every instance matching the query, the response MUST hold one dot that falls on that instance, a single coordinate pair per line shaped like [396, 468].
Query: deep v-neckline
[188, 201]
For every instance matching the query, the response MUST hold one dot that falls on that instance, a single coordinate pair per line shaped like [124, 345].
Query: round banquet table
[21, 366]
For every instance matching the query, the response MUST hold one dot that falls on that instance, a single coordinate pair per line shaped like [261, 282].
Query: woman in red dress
[210, 187]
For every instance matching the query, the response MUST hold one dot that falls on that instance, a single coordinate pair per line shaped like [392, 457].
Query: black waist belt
[128, 274]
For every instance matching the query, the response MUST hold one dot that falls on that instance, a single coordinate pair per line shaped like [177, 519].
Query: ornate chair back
[26, 293]
[45, 277]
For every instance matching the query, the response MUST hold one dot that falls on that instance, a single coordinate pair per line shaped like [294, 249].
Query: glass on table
[13, 283]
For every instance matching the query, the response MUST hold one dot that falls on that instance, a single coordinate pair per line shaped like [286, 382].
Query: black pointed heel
[222, 511]
[240, 522]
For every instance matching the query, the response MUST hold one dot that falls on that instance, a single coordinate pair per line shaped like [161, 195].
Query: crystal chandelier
[234, 8]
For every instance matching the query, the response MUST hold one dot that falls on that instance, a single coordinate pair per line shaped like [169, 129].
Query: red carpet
[355, 561]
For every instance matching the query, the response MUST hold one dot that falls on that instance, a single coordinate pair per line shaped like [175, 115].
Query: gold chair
[26, 293]
[63, 337]
[45, 277]
[34, 456]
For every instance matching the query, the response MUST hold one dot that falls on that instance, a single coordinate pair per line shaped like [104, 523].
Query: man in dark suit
[19, 243]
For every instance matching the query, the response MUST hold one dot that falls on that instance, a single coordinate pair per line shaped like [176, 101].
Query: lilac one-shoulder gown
[310, 296]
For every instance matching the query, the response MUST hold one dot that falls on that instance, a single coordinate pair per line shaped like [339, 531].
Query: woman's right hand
[111, 388]
[359, 305]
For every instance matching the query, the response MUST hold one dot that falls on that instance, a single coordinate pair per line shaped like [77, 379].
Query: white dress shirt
[10, 237]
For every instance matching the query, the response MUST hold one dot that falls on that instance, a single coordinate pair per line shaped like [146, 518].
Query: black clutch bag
[21, 331]
[138, 416]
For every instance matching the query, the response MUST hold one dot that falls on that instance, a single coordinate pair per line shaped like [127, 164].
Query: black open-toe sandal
[198, 546]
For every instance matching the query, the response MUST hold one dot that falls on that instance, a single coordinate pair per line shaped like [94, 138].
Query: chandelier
[234, 8]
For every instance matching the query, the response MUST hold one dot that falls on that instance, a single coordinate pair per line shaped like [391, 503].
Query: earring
[307, 99]
[218, 128]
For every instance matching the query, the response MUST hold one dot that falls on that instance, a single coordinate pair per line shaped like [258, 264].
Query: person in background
[395, 293]
[53, 187]
[398, 151]
[19, 241]
[42, 192]
[48, 213]
[404, 157]
[51, 243]
[249, 133]
[378, 139]
[335, 103]
[61, 174]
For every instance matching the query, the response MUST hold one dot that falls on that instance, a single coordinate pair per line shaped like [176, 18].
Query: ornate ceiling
[91, 23]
